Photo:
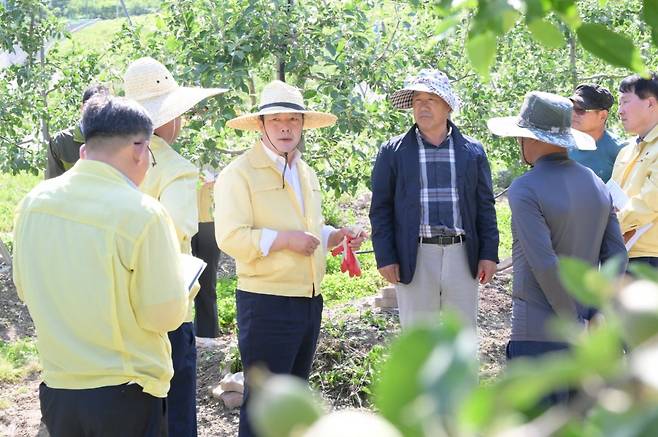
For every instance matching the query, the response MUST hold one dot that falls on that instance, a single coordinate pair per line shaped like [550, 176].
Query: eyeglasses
[582, 111]
[153, 161]
[147, 142]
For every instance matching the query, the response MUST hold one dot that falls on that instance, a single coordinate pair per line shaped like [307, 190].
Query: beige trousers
[442, 281]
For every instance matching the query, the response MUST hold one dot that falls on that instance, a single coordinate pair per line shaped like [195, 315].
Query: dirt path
[19, 403]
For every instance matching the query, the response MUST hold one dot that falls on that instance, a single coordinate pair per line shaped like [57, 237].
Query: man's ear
[83, 151]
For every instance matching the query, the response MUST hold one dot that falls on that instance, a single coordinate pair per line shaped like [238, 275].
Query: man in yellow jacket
[173, 181]
[97, 263]
[268, 217]
[636, 167]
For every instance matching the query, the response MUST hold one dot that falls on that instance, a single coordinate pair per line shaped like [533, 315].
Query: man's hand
[358, 236]
[628, 235]
[486, 270]
[391, 273]
[301, 242]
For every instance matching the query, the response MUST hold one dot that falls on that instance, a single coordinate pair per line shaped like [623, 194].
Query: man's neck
[435, 136]
[646, 131]
[596, 133]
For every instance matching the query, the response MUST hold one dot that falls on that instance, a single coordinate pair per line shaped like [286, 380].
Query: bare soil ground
[19, 402]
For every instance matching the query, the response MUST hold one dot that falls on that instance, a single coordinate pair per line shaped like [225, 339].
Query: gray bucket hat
[545, 117]
[429, 81]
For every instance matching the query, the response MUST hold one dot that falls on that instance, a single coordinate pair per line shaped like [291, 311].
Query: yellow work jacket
[636, 172]
[173, 181]
[98, 265]
[249, 196]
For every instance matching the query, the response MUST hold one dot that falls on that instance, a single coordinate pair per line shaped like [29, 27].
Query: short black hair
[94, 89]
[642, 87]
[592, 96]
[109, 116]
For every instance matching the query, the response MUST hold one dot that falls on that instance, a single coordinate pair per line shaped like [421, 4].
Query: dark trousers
[649, 260]
[529, 349]
[181, 400]
[278, 332]
[205, 247]
[123, 410]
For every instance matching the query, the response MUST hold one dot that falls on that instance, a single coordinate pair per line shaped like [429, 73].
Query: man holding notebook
[636, 168]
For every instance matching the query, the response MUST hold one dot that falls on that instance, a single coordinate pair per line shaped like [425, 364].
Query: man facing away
[173, 181]
[559, 208]
[591, 107]
[432, 212]
[268, 217]
[64, 147]
[97, 263]
[636, 167]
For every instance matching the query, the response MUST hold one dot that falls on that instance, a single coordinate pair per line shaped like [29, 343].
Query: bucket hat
[150, 83]
[429, 81]
[545, 117]
[278, 97]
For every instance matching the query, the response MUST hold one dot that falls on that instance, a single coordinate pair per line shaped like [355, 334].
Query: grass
[17, 359]
[12, 189]
[504, 216]
[98, 36]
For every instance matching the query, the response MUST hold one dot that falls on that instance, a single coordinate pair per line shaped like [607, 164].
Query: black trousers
[279, 332]
[534, 349]
[205, 247]
[123, 410]
[181, 399]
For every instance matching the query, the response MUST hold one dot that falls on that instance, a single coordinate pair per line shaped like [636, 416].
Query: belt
[442, 240]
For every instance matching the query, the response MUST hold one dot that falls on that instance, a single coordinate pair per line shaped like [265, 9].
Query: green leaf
[481, 49]
[583, 282]
[428, 374]
[546, 33]
[612, 47]
[644, 271]
[650, 12]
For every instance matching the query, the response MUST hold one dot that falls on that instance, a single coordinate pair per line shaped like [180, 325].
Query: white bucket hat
[276, 98]
[429, 81]
[545, 117]
[150, 83]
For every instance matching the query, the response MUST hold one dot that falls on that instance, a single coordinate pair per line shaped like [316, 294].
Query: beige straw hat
[150, 83]
[278, 97]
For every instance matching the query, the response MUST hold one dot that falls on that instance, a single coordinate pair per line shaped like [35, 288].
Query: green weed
[17, 359]
[504, 217]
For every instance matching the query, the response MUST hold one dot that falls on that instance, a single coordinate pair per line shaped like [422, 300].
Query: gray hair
[108, 116]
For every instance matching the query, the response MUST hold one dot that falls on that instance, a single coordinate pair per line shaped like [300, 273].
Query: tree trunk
[281, 73]
[45, 131]
[125, 11]
[572, 60]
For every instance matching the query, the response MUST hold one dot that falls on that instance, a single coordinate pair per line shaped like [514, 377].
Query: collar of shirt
[551, 158]
[649, 137]
[92, 166]
[428, 144]
[279, 160]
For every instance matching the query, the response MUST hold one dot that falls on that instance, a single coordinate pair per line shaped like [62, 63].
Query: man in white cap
[268, 217]
[559, 208]
[173, 181]
[432, 213]
[98, 265]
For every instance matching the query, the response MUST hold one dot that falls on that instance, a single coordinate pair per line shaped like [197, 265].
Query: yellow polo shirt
[97, 263]
[173, 181]
[636, 172]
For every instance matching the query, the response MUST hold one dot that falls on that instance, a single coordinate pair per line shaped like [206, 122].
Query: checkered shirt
[439, 197]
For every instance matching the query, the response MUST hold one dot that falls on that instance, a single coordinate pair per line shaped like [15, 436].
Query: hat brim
[166, 107]
[312, 119]
[573, 139]
[402, 99]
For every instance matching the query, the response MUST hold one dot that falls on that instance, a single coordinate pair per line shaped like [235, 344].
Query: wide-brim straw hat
[280, 98]
[150, 83]
[545, 117]
[429, 81]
